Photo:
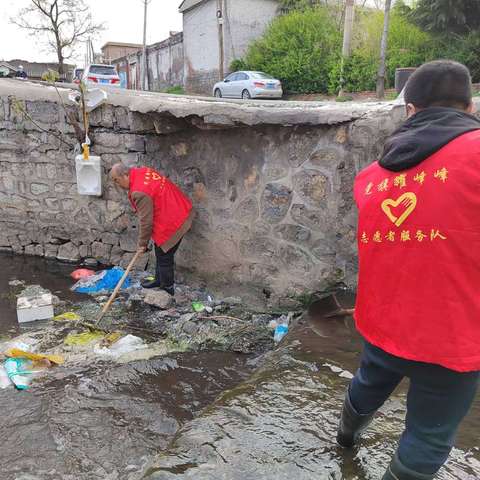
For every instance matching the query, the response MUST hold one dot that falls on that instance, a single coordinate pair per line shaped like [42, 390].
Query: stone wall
[271, 182]
[165, 65]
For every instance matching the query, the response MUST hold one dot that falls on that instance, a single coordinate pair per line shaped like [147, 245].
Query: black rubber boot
[170, 290]
[352, 424]
[150, 283]
[398, 471]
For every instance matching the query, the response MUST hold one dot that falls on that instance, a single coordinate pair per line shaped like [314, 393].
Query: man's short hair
[442, 83]
[119, 170]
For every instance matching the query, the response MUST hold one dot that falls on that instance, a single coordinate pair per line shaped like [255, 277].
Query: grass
[391, 96]
[175, 90]
[344, 98]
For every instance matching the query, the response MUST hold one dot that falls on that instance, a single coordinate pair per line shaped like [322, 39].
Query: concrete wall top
[210, 113]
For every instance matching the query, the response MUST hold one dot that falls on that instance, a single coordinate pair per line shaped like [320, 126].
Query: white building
[216, 32]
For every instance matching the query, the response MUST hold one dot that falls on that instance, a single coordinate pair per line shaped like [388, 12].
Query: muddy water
[204, 416]
[50, 274]
[100, 421]
[281, 423]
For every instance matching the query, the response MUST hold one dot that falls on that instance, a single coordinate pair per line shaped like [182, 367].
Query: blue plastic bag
[106, 280]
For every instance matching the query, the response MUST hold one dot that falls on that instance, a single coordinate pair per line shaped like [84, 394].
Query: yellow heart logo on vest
[407, 200]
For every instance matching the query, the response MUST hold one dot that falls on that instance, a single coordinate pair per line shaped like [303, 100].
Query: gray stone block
[39, 188]
[276, 200]
[311, 185]
[51, 250]
[101, 252]
[68, 252]
[159, 299]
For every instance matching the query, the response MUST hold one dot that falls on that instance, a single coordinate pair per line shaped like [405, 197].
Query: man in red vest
[418, 303]
[165, 215]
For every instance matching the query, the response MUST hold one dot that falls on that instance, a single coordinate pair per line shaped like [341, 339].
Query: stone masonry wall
[274, 203]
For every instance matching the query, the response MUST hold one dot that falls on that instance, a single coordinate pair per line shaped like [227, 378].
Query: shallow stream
[208, 415]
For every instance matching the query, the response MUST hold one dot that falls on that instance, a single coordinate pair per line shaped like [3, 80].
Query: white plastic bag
[4, 379]
[126, 344]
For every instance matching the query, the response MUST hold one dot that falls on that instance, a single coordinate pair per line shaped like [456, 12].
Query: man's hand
[141, 250]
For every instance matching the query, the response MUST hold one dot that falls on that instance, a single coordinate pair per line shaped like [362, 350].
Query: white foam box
[30, 309]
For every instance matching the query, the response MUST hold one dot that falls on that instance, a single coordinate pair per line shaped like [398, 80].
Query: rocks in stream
[159, 299]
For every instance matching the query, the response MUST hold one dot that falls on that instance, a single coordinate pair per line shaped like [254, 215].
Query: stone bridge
[271, 182]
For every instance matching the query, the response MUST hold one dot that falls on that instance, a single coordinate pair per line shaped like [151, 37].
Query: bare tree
[63, 23]
[383, 51]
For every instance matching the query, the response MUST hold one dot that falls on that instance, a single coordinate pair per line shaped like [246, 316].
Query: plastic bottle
[19, 370]
[281, 329]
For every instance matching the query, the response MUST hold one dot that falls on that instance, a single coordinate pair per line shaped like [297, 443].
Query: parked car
[77, 75]
[97, 74]
[248, 85]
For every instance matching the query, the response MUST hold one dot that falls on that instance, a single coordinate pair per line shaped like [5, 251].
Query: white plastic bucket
[89, 175]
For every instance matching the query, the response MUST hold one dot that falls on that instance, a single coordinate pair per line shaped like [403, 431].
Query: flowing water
[207, 415]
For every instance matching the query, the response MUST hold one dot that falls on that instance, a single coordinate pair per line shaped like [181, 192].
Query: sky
[123, 20]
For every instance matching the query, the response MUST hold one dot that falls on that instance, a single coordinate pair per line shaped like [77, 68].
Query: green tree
[298, 48]
[447, 16]
[408, 46]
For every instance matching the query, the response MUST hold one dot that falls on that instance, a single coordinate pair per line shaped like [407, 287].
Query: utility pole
[221, 47]
[383, 51]
[347, 40]
[144, 73]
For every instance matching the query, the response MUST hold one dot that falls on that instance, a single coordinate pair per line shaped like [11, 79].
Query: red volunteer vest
[171, 206]
[419, 257]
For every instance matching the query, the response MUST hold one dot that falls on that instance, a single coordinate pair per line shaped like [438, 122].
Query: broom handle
[118, 287]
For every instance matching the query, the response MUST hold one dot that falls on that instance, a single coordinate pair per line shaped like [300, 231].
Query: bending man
[165, 215]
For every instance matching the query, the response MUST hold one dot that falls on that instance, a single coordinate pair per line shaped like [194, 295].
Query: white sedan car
[248, 85]
[96, 75]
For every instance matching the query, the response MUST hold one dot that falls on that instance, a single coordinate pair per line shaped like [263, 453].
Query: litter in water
[126, 344]
[82, 273]
[281, 328]
[4, 379]
[106, 280]
[20, 371]
[36, 357]
[200, 307]
[84, 338]
[31, 308]
[67, 317]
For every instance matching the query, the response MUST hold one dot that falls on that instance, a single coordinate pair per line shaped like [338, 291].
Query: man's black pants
[165, 266]
[438, 400]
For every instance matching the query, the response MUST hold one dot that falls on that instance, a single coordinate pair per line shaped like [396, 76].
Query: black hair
[442, 83]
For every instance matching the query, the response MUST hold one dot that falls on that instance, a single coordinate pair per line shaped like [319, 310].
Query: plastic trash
[82, 273]
[36, 307]
[67, 317]
[126, 344]
[273, 324]
[198, 307]
[5, 381]
[35, 357]
[20, 372]
[105, 280]
[79, 339]
[280, 332]
[281, 329]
